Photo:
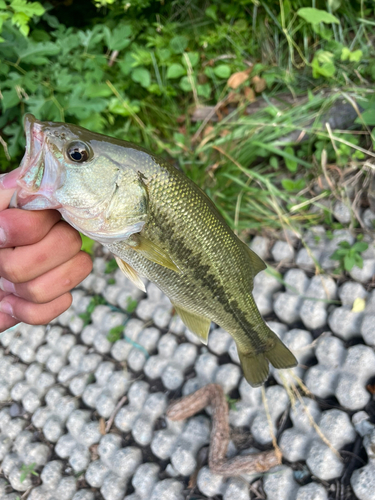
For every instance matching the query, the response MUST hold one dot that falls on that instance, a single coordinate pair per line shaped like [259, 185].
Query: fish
[159, 225]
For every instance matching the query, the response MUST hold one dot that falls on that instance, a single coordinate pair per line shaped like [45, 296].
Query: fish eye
[78, 152]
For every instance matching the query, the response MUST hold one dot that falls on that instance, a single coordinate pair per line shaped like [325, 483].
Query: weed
[115, 333]
[143, 77]
[95, 301]
[26, 470]
[349, 255]
[111, 266]
[131, 305]
[231, 403]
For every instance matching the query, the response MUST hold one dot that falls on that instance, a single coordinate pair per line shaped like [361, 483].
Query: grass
[148, 74]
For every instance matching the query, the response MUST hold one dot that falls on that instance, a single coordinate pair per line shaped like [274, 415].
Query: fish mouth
[35, 186]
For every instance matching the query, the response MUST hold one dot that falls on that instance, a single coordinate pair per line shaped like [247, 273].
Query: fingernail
[9, 180]
[6, 308]
[7, 286]
[3, 237]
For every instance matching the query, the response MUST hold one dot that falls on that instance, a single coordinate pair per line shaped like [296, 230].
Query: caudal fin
[280, 356]
[255, 367]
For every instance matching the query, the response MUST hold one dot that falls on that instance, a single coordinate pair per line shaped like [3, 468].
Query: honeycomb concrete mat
[83, 400]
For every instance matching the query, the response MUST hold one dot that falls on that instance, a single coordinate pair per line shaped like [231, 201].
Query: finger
[20, 227]
[5, 320]
[54, 283]
[7, 186]
[34, 314]
[22, 264]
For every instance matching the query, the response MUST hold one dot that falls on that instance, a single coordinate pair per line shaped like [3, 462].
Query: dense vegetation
[205, 83]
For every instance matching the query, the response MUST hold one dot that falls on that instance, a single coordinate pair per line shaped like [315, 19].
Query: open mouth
[30, 193]
[34, 148]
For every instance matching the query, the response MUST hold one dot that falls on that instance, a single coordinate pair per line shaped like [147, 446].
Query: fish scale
[159, 225]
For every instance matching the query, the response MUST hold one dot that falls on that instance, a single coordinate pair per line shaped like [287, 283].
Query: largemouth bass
[159, 225]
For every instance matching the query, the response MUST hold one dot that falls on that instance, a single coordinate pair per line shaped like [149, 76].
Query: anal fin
[130, 273]
[199, 325]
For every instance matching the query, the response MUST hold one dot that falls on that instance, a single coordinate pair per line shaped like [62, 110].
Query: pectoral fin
[152, 252]
[196, 324]
[130, 273]
[257, 262]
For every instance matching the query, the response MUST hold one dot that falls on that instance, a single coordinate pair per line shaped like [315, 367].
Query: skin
[40, 262]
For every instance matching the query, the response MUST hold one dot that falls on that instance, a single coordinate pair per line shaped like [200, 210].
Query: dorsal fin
[258, 264]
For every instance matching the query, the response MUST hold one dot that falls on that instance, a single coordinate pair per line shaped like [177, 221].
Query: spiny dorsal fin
[196, 324]
[152, 252]
[257, 262]
[130, 273]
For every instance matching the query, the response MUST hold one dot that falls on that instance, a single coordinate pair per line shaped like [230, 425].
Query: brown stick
[213, 394]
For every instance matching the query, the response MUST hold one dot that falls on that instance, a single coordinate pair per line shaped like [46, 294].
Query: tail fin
[255, 367]
[280, 356]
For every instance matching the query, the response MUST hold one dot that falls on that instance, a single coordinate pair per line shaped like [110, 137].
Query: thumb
[8, 183]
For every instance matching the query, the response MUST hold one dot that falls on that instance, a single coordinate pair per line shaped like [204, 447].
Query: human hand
[40, 262]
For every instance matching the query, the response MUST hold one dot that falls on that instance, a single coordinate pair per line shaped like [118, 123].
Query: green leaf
[222, 71]
[111, 266]
[185, 84]
[20, 19]
[290, 163]
[316, 16]
[34, 53]
[178, 44]
[192, 56]
[87, 244]
[115, 333]
[334, 4]
[336, 255]
[127, 64]
[368, 117]
[360, 246]
[10, 99]
[97, 90]
[293, 185]
[204, 90]
[356, 56]
[345, 54]
[118, 39]
[345, 244]
[131, 305]
[175, 71]
[323, 64]
[118, 108]
[142, 76]
[211, 12]
[349, 262]
[30, 9]
[95, 122]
